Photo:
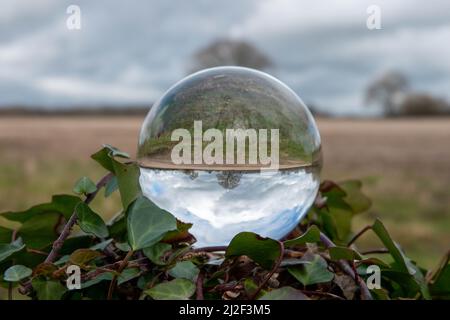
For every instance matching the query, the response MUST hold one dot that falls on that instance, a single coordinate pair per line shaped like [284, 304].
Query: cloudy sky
[268, 203]
[129, 52]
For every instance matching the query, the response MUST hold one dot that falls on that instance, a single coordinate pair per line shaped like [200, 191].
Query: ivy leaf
[84, 186]
[310, 236]
[331, 189]
[90, 222]
[315, 271]
[128, 181]
[17, 273]
[357, 200]
[334, 195]
[105, 156]
[111, 186]
[147, 223]
[250, 287]
[44, 269]
[440, 286]
[5, 234]
[48, 290]
[127, 275]
[60, 204]
[178, 235]
[115, 152]
[185, 270]
[81, 257]
[177, 289]
[343, 253]
[123, 246]
[440, 279]
[402, 262]
[105, 276]
[156, 252]
[342, 219]
[393, 248]
[101, 245]
[284, 293]
[40, 231]
[127, 174]
[263, 251]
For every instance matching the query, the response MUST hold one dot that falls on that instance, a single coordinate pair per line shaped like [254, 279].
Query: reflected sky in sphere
[221, 204]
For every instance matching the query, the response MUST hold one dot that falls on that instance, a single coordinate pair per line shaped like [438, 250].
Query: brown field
[404, 164]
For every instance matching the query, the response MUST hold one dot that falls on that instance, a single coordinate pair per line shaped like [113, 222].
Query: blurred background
[377, 79]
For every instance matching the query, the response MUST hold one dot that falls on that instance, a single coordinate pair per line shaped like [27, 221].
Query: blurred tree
[227, 52]
[386, 91]
[420, 104]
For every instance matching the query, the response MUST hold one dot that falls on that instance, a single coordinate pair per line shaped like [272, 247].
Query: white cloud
[86, 91]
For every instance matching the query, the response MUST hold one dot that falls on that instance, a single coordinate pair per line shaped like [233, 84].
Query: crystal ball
[230, 149]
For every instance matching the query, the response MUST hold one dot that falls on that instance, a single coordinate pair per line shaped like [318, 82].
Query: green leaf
[156, 252]
[127, 174]
[331, 189]
[310, 236]
[128, 181]
[44, 269]
[81, 257]
[105, 156]
[115, 152]
[401, 261]
[357, 200]
[106, 276]
[284, 293]
[184, 269]
[343, 222]
[178, 235]
[263, 251]
[111, 186]
[48, 290]
[315, 271]
[40, 231]
[344, 253]
[394, 250]
[127, 275]
[334, 195]
[440, 280]
[441, 285]
[380, 294]
[17, 273]
[328, 223]
[406, 286]
[375, 261]
[250, 287]
[5, 234]
[61, 204]
[177, 289]
[90, 222]
[147, 223]
[123, 246]
[102, 245]
[84, 186]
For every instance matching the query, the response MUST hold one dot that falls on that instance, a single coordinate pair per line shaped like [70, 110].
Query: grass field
[404, 164]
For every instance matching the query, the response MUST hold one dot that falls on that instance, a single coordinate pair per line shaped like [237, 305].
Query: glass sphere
[230, 149]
